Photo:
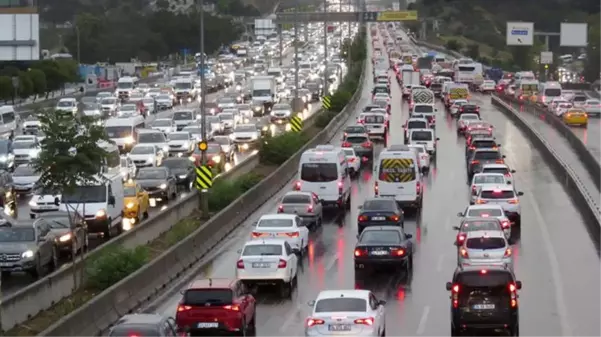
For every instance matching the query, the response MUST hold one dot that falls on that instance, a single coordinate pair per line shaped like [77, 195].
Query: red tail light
[292, 234]
[513, 201]
[399, 252]
[232, 307]
[508, 252]
[474, 162]
[340, 185]
[514, 297]
[499, 161]
[394, 218]
[181, 308]
[455, 295]
[314, 321]
[366, 144]
[366, 321]
[508, 174]
[346, 144]
[297, 186]
[418, 187]
[460, 239]
[345, 134]
[463, 253]
[362, 218]
[461, 109]
[481, 202]
[351, 160]
[310, 209]
[360, 252]
[256, 235]
[360, 121]
[282, 264]
[240, 264]
[376, 189]
[505, 224]
[280, 208]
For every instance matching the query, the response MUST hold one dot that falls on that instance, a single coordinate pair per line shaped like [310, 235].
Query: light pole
[204, 196]
[297, 102]
[325, 51]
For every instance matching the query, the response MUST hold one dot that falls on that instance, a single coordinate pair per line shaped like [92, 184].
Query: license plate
[46, 207]
[422, 143]
[378, 218]
[339, 327]
[379, 252]
[260, 265]
[207, 325]
[5, 264]
[484, 306]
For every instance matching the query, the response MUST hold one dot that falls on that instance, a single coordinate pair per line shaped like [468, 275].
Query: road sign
[573, 35]
[202, 146]
[546, 57]
[326, 102]
[520, 33]
[284, 17]
[296, 123]
[204, 177]
[397, 16]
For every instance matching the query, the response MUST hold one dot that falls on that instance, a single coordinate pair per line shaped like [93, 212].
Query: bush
[340, 99]
[453, 45]
[113, 265]
[276, 150]
[224, 191]
[248, 181]
[473, 51]
[324, 118]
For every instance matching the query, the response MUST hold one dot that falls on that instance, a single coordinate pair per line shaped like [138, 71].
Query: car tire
[515, 331]
[243, 328]
[455, 331]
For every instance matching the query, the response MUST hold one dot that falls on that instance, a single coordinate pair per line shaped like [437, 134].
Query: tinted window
[319, 172]
[296, 199]
[151, 174]
[154, 137]
[417, 125]
[483, 212]
[421, 136]
[381, 89]
[423, 108]
[490, 279]
[355, 129]
[501, 170]
[374, 119]
[182, 115]
[8, 234]
[356, 139]
[348, 152]
[213, 296]
[262, 250]
[489, 179]
[480, 225]
[142, 150]
[484, 144]
[178, 136]
[275, 223]
[118, 131]
[485, 243]
[579, 98]
[345, 304]
[379, 205]
[553, 92]
[128, 330]
[497, 194]
[487, 155]
[381, 237]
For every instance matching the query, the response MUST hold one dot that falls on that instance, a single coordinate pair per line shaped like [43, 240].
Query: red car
[215, 156]
[216, 306]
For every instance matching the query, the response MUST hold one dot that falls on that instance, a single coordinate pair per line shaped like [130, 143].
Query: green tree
[453, 44]
[523, 57]
[593, 50]
[473, 51]
[25, 85]
[53, 73]
[6, 88]
[38, 80]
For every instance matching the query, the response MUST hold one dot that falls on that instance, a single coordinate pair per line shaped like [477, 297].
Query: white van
[425, 137]
[100, 203]
[549, 91]
[324, 171]
[125, 86]
[397, 174]
[277, 74]
[123, 131]
[8, 121]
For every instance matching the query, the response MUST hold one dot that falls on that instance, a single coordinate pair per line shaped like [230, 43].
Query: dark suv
[216, 306]
[484, 298]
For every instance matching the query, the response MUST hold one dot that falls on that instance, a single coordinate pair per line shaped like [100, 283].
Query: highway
[19, 280]
[590, 136]
[555, 258]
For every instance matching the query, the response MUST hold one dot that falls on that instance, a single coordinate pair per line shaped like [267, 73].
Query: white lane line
[293, 315]
[422, 322]
[439, 263]
[331, 263]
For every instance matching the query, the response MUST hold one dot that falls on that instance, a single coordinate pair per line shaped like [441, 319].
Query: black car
[484, 298]
[379, 212]
[383, 246]
[468, 109]
[159, 182]
[183, 170]
[480, 142]
[144, 325]
[480, 157]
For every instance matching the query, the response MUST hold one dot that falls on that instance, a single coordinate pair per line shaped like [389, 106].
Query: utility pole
[297, 103]
[281, 47]
[204, 196]
[326, 91]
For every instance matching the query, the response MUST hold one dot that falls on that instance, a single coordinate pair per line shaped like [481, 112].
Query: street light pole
[296, 66]
[281, 47]
[204, 196]
[325, 50]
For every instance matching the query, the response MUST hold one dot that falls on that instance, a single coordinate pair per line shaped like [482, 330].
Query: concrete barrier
[139, 287]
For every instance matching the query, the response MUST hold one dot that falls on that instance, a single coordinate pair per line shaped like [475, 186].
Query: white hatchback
[284, 226]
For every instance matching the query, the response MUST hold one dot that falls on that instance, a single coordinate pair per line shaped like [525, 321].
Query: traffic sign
[202, 146]
[326, 102]
[296, 123]
[546, 57]
[387, 16]
[204, 177]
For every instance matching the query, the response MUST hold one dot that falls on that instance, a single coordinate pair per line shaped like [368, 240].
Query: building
[19, 30]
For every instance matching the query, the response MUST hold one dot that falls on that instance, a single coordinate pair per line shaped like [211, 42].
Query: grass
[485, 50]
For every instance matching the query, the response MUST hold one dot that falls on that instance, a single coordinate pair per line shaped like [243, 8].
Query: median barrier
[141, 286]
[563, 171]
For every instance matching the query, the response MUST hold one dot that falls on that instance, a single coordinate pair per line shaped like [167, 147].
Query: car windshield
[222, 140]
[490, 279]
[90, 107]
[423, 108]
[379, 205]
[129, 191]
[24, 171]
[13, 234]
[480, 225]
[176, 163]
[485, 243]
[183, 115]
[85, 194]
[263, 223]
[243, 107]
[484, 144]
[373, 119]
[356, 139]
[148, 100]
[226, 100]
[151, 174]
[142, 150]
[497, 194]
[65, 104]
[469, 117]
[23, 145]
[245, 128]
[118, 131]
[151, 137]
[137, 330]
[417, 125]
[207, 297]
[162, 122]
[487, 155]
[61, 222]
[419, 149]
[579, 99]
[225, 117]
[128, 108]
[502, 170]
[593, 102]
[178, 136]
[163, 97]
[296, 199]
[348, 152]
[489, 179]
[421, 135]
[262, 250]
[382, 237]
[482, 212]
[341, 304]
[319, 172]
[355, 129]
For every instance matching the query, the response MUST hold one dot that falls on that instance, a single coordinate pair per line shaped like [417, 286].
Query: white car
[465, 119]
[454, 109]
[499, 168]
[245, 112]
[225, 142]
[375, 123]
[31, 125]
[92, 110]
[268, 261]
[425, 137]
[196, 131]
[215, 124]
[488, 211]
[128, 110]
[353, 161]
[41, 203]
[25, 179]
[226, 102]
[145, 155]
[245, 135]
[228, 120]
[153, 137]
[281, 113]
[480, 180]
[165, 125]
[284, 226]
[127, 168]
[423, 155]
[25, 150]
[381, 96]
[67, 104]
[110, 105]
[487, 86]
[346, 312]
[562, 108]
[504, 195]
[592, 107]
[180, 143]
[149, 104]
[164, 101]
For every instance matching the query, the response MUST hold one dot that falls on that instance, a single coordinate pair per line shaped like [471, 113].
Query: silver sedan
[592, 107]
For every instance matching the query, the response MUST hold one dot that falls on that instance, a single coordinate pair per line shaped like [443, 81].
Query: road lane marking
[332, 262]
[422, 322]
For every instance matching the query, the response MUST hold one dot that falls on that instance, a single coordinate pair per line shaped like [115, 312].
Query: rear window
[417, 125]
[480, 226]
[492, 278]
[484, 212]
[484, 144]
[497, 194]
[355, 129]
[421, 136]
[275, 223]
[262, 250]
[487, 155]
[469, 107]
[319, 172]
[381, 89]
[485, 243]
[501, 170]
[356, 139]
[380, 237]
[379, 205]
[374, 119]
[296, 199]
[579, 98]
[127, 330]
[207, 297]
[397, 170]
[423, 108]
[342, 304]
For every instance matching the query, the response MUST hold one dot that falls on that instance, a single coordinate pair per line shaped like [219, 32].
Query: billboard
[520, 33]
[19, 37]
[573, 35]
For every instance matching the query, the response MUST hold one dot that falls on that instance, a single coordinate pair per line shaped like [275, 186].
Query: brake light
[346, 144]
[418, 187]
[340, 187]
[367, 144]
[297, 186]
[460, 239]
[360, 252]
[499, 161]
[292, 234]
[505, 224]
[366, 321]
[282, 264]
[474, 190]
[314, 321]
[181, 308]
[463, 253]
[310, 209]
[376, 189]
[461, 109]
[240, 264]
[455, 295]
[474, 162]
[481, 202]
[232, 307]
[394, 218]
[280, 208]
[362, 218]
[351, 160]
[512, 287]
[483, 271]
[345, 134]
[399, 252]
[256, 235]
[133, 335]
[508, 252]
[360, 121]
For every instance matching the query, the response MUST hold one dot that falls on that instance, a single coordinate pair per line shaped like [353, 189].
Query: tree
[523, 57]
[6, 88]
[70, 156]
[473, 51]
[38, 80]
[25, 85]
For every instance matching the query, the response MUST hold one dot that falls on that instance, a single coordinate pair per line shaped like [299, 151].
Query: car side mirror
[518, 285]
[513, 171]
[41, 238]
[498, 145]
[112, 200]
[437, 138]
[508, 182]
[239, 251]
[520, 193]
[408, 236]
[449, 286]
[460, 214]
[381, 302]
[456, 228]
[57, 201]
[360, 207]
[311, 303]
[254, 224]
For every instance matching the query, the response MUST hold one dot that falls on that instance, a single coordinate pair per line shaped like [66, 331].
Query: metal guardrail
[139, 287]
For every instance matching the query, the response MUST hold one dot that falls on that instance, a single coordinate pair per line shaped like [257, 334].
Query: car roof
[487, 206]
[277, 216]
[497, 187]
[265, 242]
[381, 228]
[140, 319]
[485, 234]
[353, 293]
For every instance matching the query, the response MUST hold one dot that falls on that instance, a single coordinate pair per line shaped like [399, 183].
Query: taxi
[575, 117]
[136, 203]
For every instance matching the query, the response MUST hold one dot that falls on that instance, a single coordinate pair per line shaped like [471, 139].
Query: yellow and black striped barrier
[204, 177]
[326, 102]
[296, 123]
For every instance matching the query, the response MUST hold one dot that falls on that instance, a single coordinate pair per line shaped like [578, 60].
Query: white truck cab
[123, 131]
[125, 86]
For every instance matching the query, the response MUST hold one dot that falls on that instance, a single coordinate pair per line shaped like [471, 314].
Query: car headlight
[27, 254]
[100, 214]
[129, 140]
[33, 204]
[192, 159]
[182, 176]
[33, 153]
[254, 136]
[265, 128]
[166, 148]
[232, 136]
[216, 159]
[65, 238]
[163, 186]
[130, 205]
[150, 159]
[3, 159]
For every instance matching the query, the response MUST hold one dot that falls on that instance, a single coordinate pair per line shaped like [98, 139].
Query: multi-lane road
[555, 258]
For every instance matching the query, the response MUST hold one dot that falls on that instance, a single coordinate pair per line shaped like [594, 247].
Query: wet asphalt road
[555, 258]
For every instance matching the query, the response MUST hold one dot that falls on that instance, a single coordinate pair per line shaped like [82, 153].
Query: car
[376, 125]
[579, 100]
[92, 110]
[228, 120]
[183, 170]
[216, 306]
[473, 142]
[479, 128]
[454, 108]
[422, 155]
[128, 109]
[464, 120]
[353, 160]
[281, 113]
[215, 157]
[379, 211]
[159, 182]
[149, 105]
[24, 179]
[489, 211]
[506, 197]
[592, 107]
[25, 249]
[414, 123]
[383, 247]
[304, 204]
[163, 101]
[67, 229]
[180, 143]
[183, 118]
[68, 104]
[110, 105]
[227, 146]
[25, 149]
[575, 117]
[484, 248]
[287, 226]
[146, 155]
[472, 224]
[352, 130]
[468, 108]
[480, 157]
[226, 102]
[425, 137]
[499, 168]
[484, 179]
[561, 108]
[484, 298]
[353, 312]
[362, 145]
[487, 86]
[268, 262]
[165, 125]
[144, 325]
[136, 202]
[153, 137]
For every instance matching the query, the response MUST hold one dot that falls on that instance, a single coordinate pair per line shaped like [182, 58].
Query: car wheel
[54, 264]
[515, 331]
[32, 216]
